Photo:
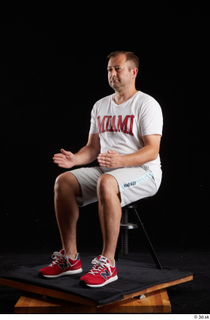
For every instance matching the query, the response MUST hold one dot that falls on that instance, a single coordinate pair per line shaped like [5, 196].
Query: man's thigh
[87, 179]
[134, 183]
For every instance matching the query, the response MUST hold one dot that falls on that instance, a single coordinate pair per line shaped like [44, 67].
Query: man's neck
[121, 97]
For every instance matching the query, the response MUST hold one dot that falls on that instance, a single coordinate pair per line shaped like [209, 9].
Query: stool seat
[133, 205]
[124, 221]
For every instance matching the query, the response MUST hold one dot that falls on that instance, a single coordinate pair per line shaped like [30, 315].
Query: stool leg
[124, 233]
[152, 251]
[118, 248]
[122, 242]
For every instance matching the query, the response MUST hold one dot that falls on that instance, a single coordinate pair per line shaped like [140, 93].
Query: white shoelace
[98, 266]
[57, 257]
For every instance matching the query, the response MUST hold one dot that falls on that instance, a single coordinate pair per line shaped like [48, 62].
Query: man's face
[120, 74]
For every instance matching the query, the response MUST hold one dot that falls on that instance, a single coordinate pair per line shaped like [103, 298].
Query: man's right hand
[65, 159]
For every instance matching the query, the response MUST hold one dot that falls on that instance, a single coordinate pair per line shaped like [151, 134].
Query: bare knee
[66, 183]
[107, 187]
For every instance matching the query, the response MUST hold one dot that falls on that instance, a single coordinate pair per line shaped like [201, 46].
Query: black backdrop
[53, 71]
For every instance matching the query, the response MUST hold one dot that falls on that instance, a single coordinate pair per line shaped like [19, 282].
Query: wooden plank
[36, 304]
[156, 302]
[159, 287]
[47, 292]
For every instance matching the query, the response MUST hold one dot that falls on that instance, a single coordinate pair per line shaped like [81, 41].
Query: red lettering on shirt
[111, 124]
[100, 126]
[113, 128]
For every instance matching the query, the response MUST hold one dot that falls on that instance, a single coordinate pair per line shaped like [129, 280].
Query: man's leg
[109, 214]
[67, 211]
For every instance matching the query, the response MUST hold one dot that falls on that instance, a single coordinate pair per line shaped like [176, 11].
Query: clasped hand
[111, 159]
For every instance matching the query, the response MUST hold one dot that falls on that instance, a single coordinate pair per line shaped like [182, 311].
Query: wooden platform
[45, 300]
[156, 302]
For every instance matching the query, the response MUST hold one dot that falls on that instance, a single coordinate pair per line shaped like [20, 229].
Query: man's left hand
[111, 159]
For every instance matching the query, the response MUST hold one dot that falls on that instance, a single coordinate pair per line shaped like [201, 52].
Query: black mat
[133, 277]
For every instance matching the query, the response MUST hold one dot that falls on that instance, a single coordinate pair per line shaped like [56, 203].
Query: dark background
[54, 69]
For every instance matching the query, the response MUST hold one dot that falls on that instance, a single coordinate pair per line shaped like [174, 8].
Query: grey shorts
[134, 183]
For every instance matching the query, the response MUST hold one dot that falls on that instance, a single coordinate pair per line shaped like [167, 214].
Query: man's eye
[117, 69]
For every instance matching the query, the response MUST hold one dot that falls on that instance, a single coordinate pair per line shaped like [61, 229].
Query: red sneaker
[101, 273]
[62, 265]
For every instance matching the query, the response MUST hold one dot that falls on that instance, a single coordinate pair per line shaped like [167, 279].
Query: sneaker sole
[84, 284]
[65, 273]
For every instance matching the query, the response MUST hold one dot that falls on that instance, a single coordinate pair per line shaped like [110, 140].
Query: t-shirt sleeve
[151, 118]
[93, 124]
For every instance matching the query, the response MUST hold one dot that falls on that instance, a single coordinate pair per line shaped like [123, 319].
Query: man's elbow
[154, 155]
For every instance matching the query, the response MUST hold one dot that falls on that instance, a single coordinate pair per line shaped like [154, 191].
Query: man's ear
[134, 73]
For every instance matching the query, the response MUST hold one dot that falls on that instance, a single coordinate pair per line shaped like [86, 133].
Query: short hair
[130, 56]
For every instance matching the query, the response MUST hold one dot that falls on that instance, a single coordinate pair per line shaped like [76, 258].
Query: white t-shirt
[121, 127]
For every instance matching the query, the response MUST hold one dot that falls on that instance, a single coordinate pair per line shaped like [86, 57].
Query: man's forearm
[112, 159]
[85, 155]
[140, 157]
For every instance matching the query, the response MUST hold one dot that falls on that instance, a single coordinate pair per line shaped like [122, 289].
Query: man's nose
[113, 73]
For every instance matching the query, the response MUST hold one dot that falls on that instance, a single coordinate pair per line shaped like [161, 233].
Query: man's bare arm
[149, 152]
[87, 154]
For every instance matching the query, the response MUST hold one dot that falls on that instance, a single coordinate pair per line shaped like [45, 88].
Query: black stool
[125, 226]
